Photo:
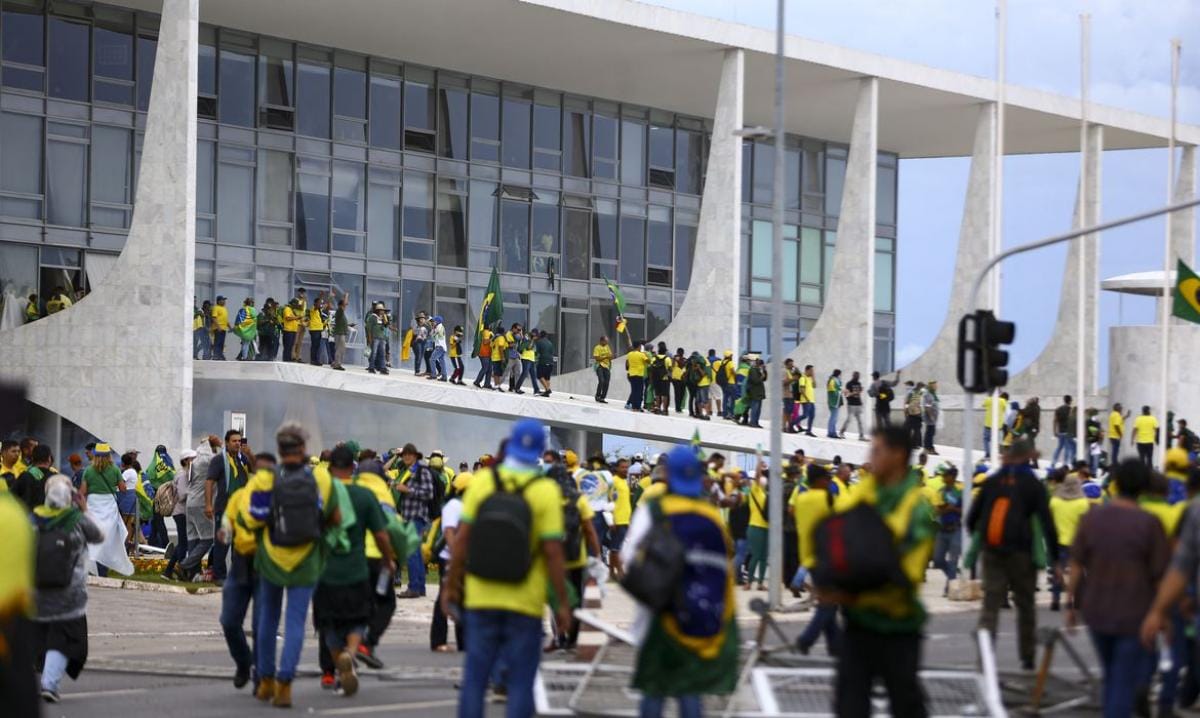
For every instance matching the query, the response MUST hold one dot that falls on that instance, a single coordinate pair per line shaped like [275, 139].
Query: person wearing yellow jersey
[576, 566]
[17, 605]
[1067, 506]
[288, 562]
[455, 341]
[1116, 432]
[622, 509]
[993, 416]
[808, 508]
[636, 362]
[602, 355]
[678, 379]
[291, 329]
[1145, 435]
[756, 533]
[219, 323]
[806, 398]
[370, 476]
[947, 504]
[31, 312]
[502, 612]
[200, 342]
[1154, 501]
[10, 463]
[316, 331]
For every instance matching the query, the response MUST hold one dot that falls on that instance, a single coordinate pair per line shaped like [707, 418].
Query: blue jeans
[1066, 445]
[416, 566]
[729, 397]
[437, 362]
[235, 601]
[201, 344]
[379, 355]
[637, 393]
[947, 547]
[832, 429]
[1179, 648]
[269, 606]
[484, 377]
[418, 352]
[653, 707]
[218, 348]
[527, 371]
[808, 412]
[824, 622]
[741, 549]
[54, 669]
[1126, 665]
[495, 637]
[755, 411]
[987, 442]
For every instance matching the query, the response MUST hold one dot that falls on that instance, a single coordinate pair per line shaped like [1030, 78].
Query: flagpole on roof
[1164, 309]
[1083, 281]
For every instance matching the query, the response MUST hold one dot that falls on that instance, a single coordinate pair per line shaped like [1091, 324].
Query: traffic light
[982, 364]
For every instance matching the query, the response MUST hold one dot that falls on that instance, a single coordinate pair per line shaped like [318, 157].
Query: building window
[385, 110]
[420, 124]
[20, 166]
[350, 99]
[418, 216]
[452, 121]
[516, 124]
[633, 153]
[514, 236]
[604, 240]
[662, 157]
[66, 174]
[885, 275]
[112, 61]
[760, 259]
[764, 173]
[633, 244]
[576, 141]
[544, 239]
[276, 83]
[547, 135]
[275, 179]
[577, 234]
[604, 147]
[483, 222]
[206, 156]
[235, 194]
[485, 127]
[147, 48]
[312, 95]
[811, 272]
[659, 255]
[452, 223]
[312, 204]
[23, 42]
[112, 154]
[383, 215]
[885, 190]
[791, 175]
[685, 247]
[206, 74]
[236, 104]
[349, 207]
[835, 177]
[68, 59]
[689, 161]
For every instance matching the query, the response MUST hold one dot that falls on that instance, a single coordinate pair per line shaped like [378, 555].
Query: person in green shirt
[344, 599]
[544, 352]
[32, 313]
[341, 334]
[833, 394]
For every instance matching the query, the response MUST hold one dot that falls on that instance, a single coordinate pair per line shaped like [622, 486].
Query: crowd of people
[350, 530]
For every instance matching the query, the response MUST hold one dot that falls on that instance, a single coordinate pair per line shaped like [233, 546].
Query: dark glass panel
[418, 106]
[114, 54]
[516, 133]
[576, 144]
[69, 50]
[514, 236]
[23, 34]
[577, 231]
[147, 48]
[236, 104]
[313, 100]
[451, 230]
[418, 206]
[633, 251]
[385, 112]
[452, 122]
[685, 243]
[349, 92]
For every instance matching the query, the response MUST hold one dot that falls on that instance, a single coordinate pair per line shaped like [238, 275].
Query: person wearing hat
[437, 340]
[219, 322]
[420, 337]
[690, 648]
[947, 502]
[1068, 504]
[414, 489]
[376, 340]
[451, 515]
[504, 618]
[101, 483]
[725, 377]
[268, 330]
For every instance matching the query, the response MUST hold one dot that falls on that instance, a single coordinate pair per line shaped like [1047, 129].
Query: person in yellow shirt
[316, 331]
[1145, 435]
[806, 398]
[576, 566]
[219, 321]
[809, 508]
[602, 355]
[1116, 432]
[756, 533]
[992, 420]
[291, 328]
[622, 510]
[1067, 506]
[636, 363]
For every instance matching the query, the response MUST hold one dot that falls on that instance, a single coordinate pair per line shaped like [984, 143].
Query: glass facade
[391, 181]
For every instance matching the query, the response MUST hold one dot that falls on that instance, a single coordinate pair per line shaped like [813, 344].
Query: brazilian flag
[1187, 293]
[490, 312]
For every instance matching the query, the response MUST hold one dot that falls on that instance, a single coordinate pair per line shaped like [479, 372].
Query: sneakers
[50, 696]
[327, 681]
[242, 677]
[367, 657]
[283, 694]
[266, 689]
[346, 674]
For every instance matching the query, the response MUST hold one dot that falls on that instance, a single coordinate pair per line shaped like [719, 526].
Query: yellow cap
[102, 449]
[571, 458]
[1177, 458]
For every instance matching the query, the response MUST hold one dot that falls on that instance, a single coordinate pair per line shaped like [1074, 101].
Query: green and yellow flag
[1187, 293]
[617, 297]
[490, 312]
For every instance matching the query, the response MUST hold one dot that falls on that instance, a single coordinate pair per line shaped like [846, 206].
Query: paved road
[154, 654]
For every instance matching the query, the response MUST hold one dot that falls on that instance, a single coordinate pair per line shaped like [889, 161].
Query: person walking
[543, 363]
[512, 358]
[316, 331]
[528, 351]
[226, 474]
[1116, 432]
[636, 362]
[1145, 435]
[64, 531]
[341, 333]
[246, 327]
[808, 507]
[219, 323]
[290, 321]
[854, 406]
[160, 470]
[948, 506]
[201, 324]
[30, 484]
[200, 528]
[437, 339]
[1064, 432]
[725, 376]
[756, 393]
[1122, 554]
[100, 485]
[660, 379]
[483, 380]
[377, 340]
[1011, 502]
[756, 534]
[689, 648]
[912, 411]
[1068, 505]
[240, 585]
[883, 392]
[993, 419]
[414, 486]
[1031, 418]
[806, 398]
[420, 337]
[834, 400]
[454, 351]
[268, 331]
[501, 576]
[179, 513]
[439, 628]
[931, 412]
[291, 510]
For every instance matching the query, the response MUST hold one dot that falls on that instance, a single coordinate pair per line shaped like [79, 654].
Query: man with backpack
[509, 547]
[291, 509]
[660, 379]
[725, 375]
[809, 507]
[419, 499]
[679, 572]
[370, 475]
[883, 392]
[879, 590]
[581, 546]
[30, 485]
[1016, 532]
[913, 411]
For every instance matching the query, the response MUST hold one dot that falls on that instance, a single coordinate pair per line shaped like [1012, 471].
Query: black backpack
[572, 521]
[295, 508]
[884, 394]
[55, 559]
[501, 535]
[654, 574]
[658, 368]
[855, 552]
[439, 495]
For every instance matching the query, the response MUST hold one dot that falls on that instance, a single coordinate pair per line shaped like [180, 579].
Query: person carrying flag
[246, 328]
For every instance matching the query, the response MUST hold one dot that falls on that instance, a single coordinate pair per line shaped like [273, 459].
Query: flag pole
[997, 228]
[1083, 281]
[1165, 306]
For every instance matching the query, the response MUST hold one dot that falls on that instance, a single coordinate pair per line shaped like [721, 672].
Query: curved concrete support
[1183, 224]
[844, 335]
[119, 363]
[1053, 372]
[709, 315]
[939, 361]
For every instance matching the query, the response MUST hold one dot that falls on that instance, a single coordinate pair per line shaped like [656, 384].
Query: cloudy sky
[1130, 69]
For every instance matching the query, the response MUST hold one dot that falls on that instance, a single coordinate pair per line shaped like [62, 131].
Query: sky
[1130, 69]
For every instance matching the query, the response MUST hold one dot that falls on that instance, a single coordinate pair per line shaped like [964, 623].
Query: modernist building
[398, 151]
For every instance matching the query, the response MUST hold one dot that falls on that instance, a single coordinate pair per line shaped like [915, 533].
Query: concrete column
[119, 363]
[844, 335]
[709, 315]
[1053, 372]
[939, 361]
[1183, 224]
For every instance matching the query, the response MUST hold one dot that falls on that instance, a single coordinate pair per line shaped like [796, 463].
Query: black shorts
[544, 371]
[662, 387]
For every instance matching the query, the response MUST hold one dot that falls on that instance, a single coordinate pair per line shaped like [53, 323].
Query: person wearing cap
[414, 489]
[725, 377]
[451, 515]
[219, 322]
[1011, 508]
[544, 362]
[377, 340]
[1068, 505]
[101, 483]
[179, 512]
[268, 331]
[419, 329]
[454, 349]
[690, 648]
[437, 349]
[527, 347]
[504, 619]
[947, 502]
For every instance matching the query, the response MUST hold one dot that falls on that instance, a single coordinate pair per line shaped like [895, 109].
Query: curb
[135, 585]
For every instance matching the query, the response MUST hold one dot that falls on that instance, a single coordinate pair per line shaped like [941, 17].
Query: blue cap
[437, 318]
[685, 472]
[527, 441]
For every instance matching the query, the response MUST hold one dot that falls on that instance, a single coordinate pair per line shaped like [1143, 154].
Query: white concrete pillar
[939, 361]
[709, 315]
[119, 362]
[1183, 224]
[844, 335]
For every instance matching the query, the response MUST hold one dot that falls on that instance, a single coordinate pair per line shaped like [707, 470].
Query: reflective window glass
[383, 221]
[235, 195]
[689, 153]
[545, 228]
[516, 133]
[385, 112]
[275, 75]
[685, 243]
[633, 250]
[658, 316]
[810, 255]
[417, 297]
[835, 177]
[514, 236]
[147, 47]
[350, 92]
[577, 230]
[633, 153]
[451, 230]
[348, 188]
[313, 100]
[576, 144]
[452, 122]
[68, 61]
[764, 172]
[604, 238]
[658, 238]
[747, 168]
[114, 54]
[312, 213]
[20, 153]
[275, 177]
[484, 207]
[547, 128]
[111, 156]
[604, 147]
[485, 127]
[19, 268]
[884, 281]
[22, 33]
[885, 194]
[205, 157]
[206, 72]
[790, 268]
[418, 205]
[66, 183]
[791, 177]
[418, 106]
[236, 104]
